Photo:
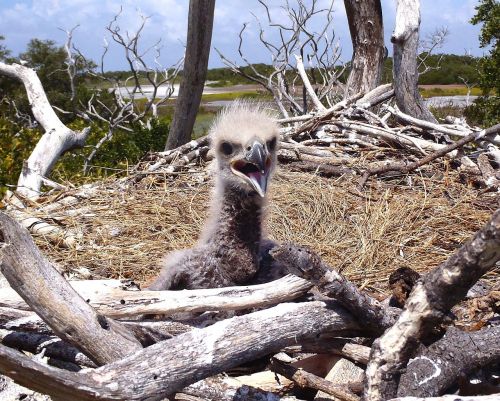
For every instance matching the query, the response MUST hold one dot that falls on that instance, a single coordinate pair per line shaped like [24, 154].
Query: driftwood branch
[458, 353]
[147, 332]
[307, 264]
[54, 300]
[56, 140]
[406, 168]
[166, 367]
[310, 380]
[307, 84]
[429, 301]
[108, 298]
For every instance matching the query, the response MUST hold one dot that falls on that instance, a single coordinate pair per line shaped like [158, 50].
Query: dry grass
[366, 237]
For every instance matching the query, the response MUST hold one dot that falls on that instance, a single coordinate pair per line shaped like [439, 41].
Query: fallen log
[55, 301]
[431, 372]
[428, 303]
[107, 297]
[167, 367]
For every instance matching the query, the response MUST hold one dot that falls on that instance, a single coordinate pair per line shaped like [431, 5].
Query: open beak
[254, 168]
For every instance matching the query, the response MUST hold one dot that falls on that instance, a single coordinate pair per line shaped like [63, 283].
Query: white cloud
[23, 20]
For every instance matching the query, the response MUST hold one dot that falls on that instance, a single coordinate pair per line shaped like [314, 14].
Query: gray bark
[56, 140]
[304, 263]
[199, 36]
[458, 353]
[42, 287]
[405, 72]
[367, 35]
[166, 367]
[428, 303]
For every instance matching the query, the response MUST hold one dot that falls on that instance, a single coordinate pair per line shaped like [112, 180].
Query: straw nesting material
[365, 235]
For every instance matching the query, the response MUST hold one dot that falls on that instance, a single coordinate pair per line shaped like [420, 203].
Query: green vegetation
[452, 91]
[4, 52]
[234, 95]
[486, 109]
[18, 137]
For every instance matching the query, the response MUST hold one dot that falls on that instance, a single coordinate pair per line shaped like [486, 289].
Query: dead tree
[304, 62]
[194, 73]
[405, 72]
[124, 111]
[427, 305]
[57, 139]
[367, 35]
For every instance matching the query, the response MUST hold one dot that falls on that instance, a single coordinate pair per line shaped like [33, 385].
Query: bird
[244, 139]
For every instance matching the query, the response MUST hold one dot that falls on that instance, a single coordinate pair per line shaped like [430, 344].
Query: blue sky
[21, 20]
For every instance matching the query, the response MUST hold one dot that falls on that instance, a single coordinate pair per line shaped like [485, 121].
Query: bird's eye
[271, 145]
[226, 148]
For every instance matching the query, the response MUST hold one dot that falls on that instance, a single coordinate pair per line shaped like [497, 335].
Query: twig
[309, 380]
[307, 264]
[428, 303]
[406, 168]
[307, 84]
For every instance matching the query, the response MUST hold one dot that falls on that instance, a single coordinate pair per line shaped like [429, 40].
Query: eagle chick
[244, 139]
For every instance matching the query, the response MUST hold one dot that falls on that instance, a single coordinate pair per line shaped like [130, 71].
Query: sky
[21, 20]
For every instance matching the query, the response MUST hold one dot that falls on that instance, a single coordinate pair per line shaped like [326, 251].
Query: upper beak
[257, 155]
[254, 167]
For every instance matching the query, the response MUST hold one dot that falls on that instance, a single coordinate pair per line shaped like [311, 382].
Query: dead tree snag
[405, 73]
[367, 35]
[431, 298]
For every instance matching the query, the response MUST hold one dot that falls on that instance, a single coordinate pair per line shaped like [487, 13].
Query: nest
[364, 235]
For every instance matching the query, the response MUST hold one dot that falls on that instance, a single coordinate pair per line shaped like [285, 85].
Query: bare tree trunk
[199, 36]
[405, 72]
[367, 35]
[57, 138]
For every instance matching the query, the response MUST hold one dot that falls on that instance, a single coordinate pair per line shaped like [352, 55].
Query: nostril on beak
[249, 148]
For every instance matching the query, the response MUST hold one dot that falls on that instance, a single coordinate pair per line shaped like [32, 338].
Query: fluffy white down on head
[241, 121]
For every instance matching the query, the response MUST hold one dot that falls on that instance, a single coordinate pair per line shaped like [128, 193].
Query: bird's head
[244, 139]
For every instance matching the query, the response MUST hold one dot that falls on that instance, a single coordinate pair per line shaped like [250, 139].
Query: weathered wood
[309, 380]
[147, 332]
[336, 346]
[492, 133]
[405, 168]
[388, 136]
[194, 72]
[433, 371]
[306, 264]
[492, 397]
[367, 36]
[51, 346]
[405, 70]
[167, 367]
[109, 299]
[52, 298]
[343, 373]
[376, 96]
[307, 84]
[224, 388]
[56, 140]
[428, 303]
[323, 170]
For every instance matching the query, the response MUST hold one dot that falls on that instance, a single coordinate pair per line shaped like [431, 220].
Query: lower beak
[254, 168]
